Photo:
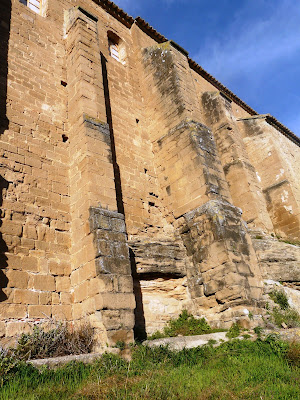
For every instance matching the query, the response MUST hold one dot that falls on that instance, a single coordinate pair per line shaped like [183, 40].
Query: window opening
[114, 49]
[34, 5]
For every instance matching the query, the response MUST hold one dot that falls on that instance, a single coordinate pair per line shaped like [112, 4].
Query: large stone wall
[131, 188]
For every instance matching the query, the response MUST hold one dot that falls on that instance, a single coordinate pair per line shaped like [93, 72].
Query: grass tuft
[185, 325]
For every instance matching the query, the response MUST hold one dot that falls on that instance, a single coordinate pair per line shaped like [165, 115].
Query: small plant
[59, 341]
[246, 336]
[185, 325]
[120, 345]
[279, 297]
[250, 315]
[234, 331]
[258, 237]
[258, 330]
[293, 354]
[289, 317]
[8, 363]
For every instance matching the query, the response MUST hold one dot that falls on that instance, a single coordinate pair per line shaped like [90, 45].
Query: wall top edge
[128, 21]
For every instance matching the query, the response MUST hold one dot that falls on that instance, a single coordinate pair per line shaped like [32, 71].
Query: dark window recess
[137, 120]
[153, 194]
[145, 170]
[23, 2]
[64, 138]
[63, 83]
[151, 204]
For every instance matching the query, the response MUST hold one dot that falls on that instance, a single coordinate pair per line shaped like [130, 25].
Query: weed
[234, 331]
[120, 345]
[279, 297]
[246, 336]
[258, 330]
[59, 341]
[293, 354]
[289, 317]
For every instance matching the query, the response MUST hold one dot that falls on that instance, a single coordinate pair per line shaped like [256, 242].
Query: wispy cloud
[253, 46]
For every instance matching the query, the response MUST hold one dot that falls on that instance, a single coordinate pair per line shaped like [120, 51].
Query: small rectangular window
[114, 50]
[34, 5]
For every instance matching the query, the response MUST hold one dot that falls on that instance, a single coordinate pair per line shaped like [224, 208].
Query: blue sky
[251, 46]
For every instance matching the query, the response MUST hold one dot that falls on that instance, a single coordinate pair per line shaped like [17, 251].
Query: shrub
[279, 297]
[293, 354]
[289, 317]
[8, 364]
[185, 325]
[59, 341]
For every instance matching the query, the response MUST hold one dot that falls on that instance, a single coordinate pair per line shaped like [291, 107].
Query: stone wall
[128, 187]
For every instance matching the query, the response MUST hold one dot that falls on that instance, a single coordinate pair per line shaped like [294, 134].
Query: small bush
[289, 317]
[185, 325]
[293, 354]
[234, 331]
[59, 341]
[258, 330]
[279, 297]
[8, 364]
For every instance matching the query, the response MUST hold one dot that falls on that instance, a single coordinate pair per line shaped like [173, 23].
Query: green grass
[239, 369]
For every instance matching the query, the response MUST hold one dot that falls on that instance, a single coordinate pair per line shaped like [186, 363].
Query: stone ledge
[85, 358]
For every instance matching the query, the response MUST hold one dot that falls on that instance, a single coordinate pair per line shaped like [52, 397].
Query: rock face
[133, 184]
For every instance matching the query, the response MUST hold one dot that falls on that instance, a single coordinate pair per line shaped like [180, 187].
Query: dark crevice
[3, 246]
[5, 16]
[140, 323]
[151, 276]
[116, 168]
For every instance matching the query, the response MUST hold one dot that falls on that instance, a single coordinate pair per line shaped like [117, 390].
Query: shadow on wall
[3, 246]
[140, 324]
[5, 15]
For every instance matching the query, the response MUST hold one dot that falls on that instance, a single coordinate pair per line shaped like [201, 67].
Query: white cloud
[253, 47]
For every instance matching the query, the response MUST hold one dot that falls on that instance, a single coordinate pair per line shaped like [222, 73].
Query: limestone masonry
[133, 183]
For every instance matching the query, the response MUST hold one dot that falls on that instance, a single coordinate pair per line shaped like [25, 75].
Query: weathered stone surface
[120, 179]
[278, 261]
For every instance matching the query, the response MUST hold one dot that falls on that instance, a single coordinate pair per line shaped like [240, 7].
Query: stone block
[125, 284]
[81, 292]
[40, 311]
[63, 284]
[2, 328]
[26, 296]
[62, 312]
[17, 328]
[116, 301]
[43, 282]
[45, 298]
[30, 264]
[17, 279]
[13, 311]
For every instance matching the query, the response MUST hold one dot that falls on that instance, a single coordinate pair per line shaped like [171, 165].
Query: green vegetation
[283, 314]
[58, 341]
[234, 331]
[239, 369]
[185, 325]
[279, 297]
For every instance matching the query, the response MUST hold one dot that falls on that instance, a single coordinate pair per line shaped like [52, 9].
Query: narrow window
[34, 5]
[114, 49]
